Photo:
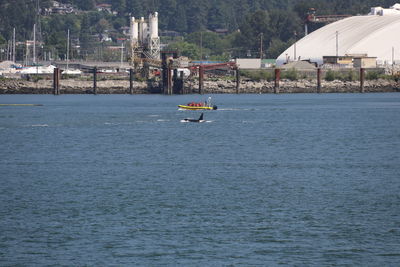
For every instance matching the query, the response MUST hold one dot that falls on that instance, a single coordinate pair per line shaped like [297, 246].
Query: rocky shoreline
[17, 86]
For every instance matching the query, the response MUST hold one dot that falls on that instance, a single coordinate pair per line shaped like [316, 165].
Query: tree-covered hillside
[193, 15]
[250, 24]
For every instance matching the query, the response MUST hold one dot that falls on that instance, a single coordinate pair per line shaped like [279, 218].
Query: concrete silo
[145, 42]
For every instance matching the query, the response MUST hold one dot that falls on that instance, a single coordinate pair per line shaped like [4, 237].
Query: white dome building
[375, 35]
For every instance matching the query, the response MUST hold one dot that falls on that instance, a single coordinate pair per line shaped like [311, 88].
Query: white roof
[72, 72]
[373, 35]
[38, 70]
[396, 6]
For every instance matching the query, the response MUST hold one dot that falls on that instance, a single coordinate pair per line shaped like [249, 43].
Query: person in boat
[194, 104]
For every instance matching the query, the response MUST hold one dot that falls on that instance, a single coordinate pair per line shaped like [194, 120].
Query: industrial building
[145, 41]
[375, 35]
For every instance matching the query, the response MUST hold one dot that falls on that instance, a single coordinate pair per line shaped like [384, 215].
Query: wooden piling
[201, 79]
[277, 79]
[95, 80]
[56, 81]
[182, 85]
[131, 81]
[175, 85]
[362, 78]
[319, 80]
[169, 81]
[164, 66]
[237, 80]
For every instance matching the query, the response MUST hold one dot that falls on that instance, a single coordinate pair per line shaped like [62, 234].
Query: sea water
[119, 180]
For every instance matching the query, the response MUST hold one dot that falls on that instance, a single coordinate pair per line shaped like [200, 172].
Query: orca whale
[194, 120]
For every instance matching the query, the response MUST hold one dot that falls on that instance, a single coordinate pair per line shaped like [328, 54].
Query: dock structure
[167, 60]
[203, 68]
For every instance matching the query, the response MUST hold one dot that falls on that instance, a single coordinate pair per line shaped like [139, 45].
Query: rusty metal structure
[202, 68]
[313, 18]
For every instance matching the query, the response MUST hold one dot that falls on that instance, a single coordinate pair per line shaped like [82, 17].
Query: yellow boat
[197, 107]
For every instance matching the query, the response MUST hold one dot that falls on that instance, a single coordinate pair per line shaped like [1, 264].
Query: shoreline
[70, 86]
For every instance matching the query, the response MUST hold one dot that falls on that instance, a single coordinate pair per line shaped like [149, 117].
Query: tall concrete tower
[154, 39]
[145, 42]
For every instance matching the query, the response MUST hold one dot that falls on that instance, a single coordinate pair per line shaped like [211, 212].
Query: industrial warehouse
[372, 39]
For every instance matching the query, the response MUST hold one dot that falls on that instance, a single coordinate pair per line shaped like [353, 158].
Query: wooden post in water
[237, 80]
[319, 80]
[56, 81]
[131, 81]
[175, 85]
[182, 81]
[362, 78]
[277, 79]
[95, 80]
[201, 79]
[169, 80]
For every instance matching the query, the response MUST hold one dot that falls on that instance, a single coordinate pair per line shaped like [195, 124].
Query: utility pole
[261, 46]
[337, 43]
[26, 53]
[201, 47]
[8, 50]
[122, 55]
[393, 60]
[295, 41]
[34, 43]
[67, 49]
[13, 45]
[38, 29]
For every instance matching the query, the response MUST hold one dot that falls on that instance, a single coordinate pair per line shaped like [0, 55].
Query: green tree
[167, 11]
[119, 6]
[85, 4]
[197, 15]
[178, 22]
[186, 49]
[276, 47]
[102, 26]
[134, 7]
[250, 31]
[2, 40]
[85, 35]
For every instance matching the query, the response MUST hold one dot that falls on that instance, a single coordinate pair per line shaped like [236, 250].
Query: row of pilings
[173, 80]
[57, 78]
[277, 78]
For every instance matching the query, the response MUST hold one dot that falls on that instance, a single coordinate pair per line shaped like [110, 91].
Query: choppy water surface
[293, 180]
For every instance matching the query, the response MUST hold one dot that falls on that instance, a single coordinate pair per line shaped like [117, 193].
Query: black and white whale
[194, 120]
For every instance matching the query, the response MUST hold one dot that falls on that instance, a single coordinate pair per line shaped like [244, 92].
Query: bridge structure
[325, 19]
